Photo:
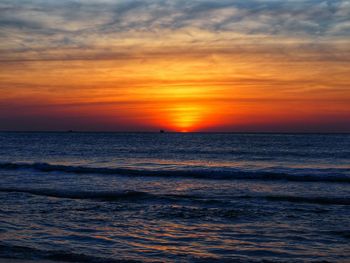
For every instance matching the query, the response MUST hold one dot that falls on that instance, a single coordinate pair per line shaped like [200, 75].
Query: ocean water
[175, 197]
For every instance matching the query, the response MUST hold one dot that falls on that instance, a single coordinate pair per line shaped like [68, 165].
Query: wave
[21, 252]
[141, 196]
[274, 173]
[304, 199]
[102, 195]
[8, 251]
[243, 154]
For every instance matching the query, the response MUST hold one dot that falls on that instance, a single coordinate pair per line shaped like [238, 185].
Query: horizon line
[172, 132]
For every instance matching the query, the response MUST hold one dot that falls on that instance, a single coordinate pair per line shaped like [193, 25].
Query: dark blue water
[106, 197]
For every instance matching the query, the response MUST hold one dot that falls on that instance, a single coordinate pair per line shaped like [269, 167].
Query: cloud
[38, 23]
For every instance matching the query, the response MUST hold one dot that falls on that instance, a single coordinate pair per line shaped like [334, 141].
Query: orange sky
[191, 77]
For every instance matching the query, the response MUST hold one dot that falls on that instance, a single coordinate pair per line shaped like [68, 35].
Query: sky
[214, 65]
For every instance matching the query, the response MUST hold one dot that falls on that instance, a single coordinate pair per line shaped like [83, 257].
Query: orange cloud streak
[191, 92]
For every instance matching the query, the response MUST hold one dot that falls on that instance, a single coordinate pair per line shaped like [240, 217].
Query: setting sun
[186, 117]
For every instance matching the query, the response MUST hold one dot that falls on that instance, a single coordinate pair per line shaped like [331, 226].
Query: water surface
[104, 197]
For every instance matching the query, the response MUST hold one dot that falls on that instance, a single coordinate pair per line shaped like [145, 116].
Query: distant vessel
[162, 131]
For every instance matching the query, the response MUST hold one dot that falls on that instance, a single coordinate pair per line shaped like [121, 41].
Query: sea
[175, 197]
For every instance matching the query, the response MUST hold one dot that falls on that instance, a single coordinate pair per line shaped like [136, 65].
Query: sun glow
[224, 89]
[185, 118]
[183, 108]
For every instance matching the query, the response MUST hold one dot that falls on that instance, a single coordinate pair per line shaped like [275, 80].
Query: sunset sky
[215, 65]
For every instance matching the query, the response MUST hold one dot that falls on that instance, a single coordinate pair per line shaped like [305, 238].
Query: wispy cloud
[42, 24]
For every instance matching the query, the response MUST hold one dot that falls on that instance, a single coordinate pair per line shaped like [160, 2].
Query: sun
[186, 118]
[183, 108]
